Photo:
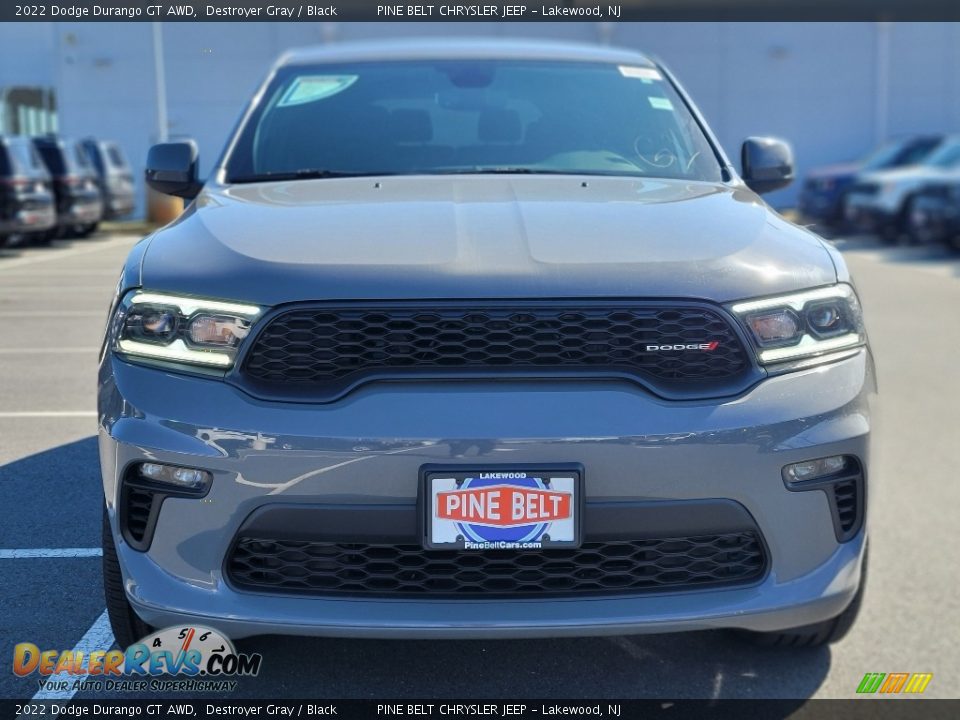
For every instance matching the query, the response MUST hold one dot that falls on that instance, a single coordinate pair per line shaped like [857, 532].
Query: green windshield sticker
[310, 88]
[660, 103]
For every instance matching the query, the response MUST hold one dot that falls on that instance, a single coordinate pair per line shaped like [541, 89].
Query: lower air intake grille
[846, 498]
[137, 512]
[599, 568]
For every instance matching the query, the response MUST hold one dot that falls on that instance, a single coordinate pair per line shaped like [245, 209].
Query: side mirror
[172, 169]
[767, 164]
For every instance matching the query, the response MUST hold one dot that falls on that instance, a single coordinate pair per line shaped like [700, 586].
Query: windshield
[25, 158]
[431, 117]
[897, 154]
[946, 156]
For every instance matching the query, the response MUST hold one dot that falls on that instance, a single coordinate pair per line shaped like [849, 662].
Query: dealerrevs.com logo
[176, 659]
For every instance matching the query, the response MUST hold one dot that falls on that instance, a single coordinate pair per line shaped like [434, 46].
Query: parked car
[935, 214]
[26, 195]
[79, 204]
[509, 349]
[825, 188]
[114, 177]
[879, 201]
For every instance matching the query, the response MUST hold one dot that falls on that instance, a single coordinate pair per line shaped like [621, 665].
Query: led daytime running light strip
[793, 301]
[807, 348]
[188, 306]
[176, 350]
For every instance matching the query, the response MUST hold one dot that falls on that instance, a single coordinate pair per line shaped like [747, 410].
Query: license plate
[502, 508]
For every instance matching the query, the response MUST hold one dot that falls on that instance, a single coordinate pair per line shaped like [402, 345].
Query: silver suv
[482, 340]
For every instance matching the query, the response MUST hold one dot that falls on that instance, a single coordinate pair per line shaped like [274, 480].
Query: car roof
[462, 49]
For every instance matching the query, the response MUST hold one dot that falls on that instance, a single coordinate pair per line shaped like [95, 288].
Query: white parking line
[68, 273]
[51, 414]
[21, 553]
[70, 252]
[48, 351]
[33, 288]
[52, 313]
[98, 637]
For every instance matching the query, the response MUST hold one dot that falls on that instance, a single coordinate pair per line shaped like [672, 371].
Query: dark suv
[79, 205]
[113, 176]
[26, 198]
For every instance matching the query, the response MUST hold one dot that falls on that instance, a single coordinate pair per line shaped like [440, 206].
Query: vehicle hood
[910, 175]
[482, 236]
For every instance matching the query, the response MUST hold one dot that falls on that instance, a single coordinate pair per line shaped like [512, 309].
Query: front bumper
[82, 211]
[366, 450]
[29, 217]
[825, 207]
[934, 220]
[118, 205]
[867, 214]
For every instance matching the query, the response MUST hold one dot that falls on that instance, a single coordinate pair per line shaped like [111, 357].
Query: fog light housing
[815, 469]
[181, 477]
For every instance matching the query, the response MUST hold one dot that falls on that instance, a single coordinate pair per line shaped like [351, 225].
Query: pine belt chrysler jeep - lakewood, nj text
[482, 340]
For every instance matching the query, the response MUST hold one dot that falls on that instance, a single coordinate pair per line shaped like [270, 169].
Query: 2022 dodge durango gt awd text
[482, 340]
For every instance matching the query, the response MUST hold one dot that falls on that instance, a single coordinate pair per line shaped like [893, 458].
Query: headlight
[803, 325]
[180, 329]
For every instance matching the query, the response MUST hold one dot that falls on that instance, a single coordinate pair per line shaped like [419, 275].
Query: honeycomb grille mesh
[340, 345]
[620, 567]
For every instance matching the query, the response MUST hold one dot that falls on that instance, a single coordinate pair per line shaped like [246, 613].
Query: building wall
[818, 85]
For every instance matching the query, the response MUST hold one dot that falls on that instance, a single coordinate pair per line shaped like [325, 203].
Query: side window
[4, 162]
[53, 159]
[116, 158]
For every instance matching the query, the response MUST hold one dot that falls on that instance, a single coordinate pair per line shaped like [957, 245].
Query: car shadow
[54, 498]
[698, 665]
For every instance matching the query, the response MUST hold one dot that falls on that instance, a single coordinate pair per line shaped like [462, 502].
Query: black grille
[865, 188]
[602, 568]
[936, 191]
[137, 509]
[332, 349]
[135, 515]
[845, 496]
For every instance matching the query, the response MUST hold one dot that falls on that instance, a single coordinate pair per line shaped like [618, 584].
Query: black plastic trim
[159, 492]
[828, 484]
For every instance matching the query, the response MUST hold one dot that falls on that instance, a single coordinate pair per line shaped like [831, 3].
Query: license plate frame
[542, 481]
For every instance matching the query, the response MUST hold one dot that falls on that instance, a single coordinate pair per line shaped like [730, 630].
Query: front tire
[821, 633]
[127, 626]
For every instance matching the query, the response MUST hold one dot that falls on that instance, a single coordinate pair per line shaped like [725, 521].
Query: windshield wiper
[500, 170]
[306, 174]
[520, 170]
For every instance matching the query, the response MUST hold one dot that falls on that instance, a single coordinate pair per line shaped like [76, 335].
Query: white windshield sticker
[641, 73]
[660, 103]
[310, 88]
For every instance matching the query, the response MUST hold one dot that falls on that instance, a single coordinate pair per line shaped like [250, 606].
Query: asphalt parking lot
[53, 303]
